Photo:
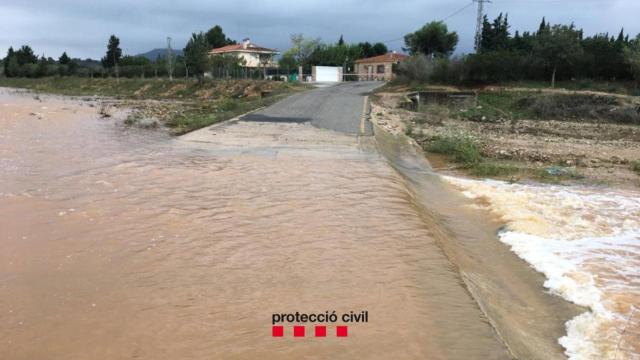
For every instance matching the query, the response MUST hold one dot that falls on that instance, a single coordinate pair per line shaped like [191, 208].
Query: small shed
[378, 67]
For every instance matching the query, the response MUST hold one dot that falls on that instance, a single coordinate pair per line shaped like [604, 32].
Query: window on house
[380, 69]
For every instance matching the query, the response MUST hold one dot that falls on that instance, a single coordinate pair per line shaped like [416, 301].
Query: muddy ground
[600, 152]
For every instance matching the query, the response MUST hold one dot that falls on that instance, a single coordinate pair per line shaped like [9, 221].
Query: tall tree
[379, 49]
[632, 57]
[620, 39]
[114, 53]
[367, 49]
[13, 68]
[302, 48]
[288, 62]
[25, 55]
[196, 54]
[544, 27]
[64, 59]
[559, 46]
[216, 38]
[495, 36]
[42, 67]
[432, 39]
[341, 41]
[486, 36]
[11, 55]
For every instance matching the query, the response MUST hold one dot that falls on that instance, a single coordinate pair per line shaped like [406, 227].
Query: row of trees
[196, 60]
[307, 52]
[24, 62]
[550, 53]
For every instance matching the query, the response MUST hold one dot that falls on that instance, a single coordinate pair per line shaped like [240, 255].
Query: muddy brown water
[117, 243]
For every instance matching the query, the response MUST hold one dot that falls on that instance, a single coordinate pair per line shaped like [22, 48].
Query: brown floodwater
[119, 243]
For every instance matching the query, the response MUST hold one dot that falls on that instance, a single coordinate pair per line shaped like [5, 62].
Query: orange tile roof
[239, 47]
[390, 57]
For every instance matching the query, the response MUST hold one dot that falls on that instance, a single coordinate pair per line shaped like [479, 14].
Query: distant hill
[153, 54]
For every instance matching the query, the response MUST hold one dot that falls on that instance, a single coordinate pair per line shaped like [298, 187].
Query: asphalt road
[338, 107]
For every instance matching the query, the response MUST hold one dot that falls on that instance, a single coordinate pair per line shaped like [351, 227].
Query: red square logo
[277, 331]
[342, 331]
[298, 331]
[321, 331]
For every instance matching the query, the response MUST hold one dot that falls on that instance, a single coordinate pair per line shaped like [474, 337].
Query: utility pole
[169, 57]
[479, 21]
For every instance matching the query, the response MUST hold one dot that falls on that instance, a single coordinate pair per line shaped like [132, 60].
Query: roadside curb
[366, 115]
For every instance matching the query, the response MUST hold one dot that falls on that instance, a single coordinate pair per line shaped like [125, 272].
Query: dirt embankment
[179, 105]
[593, 137]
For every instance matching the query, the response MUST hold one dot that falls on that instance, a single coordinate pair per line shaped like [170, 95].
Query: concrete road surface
[339, 108]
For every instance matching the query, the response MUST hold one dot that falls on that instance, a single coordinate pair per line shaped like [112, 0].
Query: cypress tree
[114, 53]
[10, 55]
[64, 59]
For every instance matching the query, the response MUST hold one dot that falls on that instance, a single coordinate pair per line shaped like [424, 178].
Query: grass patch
[190, 122]
[466, 151]
[495, 106]
[491, 169]
[555, 174]
[151, 88]
[615, 87]
[463, 149]
[635, 166]
[210, 113]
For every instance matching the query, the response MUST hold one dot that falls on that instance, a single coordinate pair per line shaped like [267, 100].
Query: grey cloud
[82, 27]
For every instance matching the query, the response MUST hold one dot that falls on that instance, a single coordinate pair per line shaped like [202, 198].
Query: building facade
[378, 67]
[254, 56]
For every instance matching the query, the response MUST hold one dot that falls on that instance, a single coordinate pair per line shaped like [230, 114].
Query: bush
[464, 149]
[228, 105]
[635, 166]
[495, 66]
[449, 71]
[580, 107]
[493, 169]
[416, 68]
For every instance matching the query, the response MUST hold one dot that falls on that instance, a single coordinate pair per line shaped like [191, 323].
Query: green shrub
[416, 68]
[228, 105]
[635, 166]
[464, 149]
[493, 169]
[556, 173]
[409, 130]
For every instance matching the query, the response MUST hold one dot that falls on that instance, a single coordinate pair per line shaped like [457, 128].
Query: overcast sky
[82, 27]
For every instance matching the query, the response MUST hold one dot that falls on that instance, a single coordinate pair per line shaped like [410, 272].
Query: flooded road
[117, 243]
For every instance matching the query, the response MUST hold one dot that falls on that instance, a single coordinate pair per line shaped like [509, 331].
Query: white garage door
[327, 74]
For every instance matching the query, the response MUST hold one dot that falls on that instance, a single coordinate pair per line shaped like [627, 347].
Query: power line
[457, 12]
[444, 19]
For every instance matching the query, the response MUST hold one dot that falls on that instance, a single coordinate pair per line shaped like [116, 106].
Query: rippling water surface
[587, 243]
[118, 243]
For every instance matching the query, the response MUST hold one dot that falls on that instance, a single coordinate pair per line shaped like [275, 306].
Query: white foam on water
[586, 241]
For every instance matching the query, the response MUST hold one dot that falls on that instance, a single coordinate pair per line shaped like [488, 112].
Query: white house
[253, 55]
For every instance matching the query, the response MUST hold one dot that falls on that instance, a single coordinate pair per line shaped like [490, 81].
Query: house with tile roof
[378, 67]
[254, 56]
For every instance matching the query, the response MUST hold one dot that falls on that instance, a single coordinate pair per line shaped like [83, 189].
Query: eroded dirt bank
[591, 138]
